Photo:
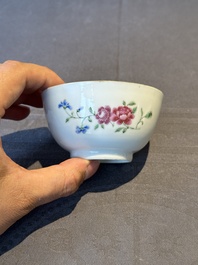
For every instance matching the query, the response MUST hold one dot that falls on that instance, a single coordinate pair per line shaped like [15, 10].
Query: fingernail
[91, 168]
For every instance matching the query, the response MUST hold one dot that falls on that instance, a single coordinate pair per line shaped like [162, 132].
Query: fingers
[17, 78]
[17, 113]
[34, 99]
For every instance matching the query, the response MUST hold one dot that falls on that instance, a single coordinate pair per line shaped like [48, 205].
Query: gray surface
[145, 212]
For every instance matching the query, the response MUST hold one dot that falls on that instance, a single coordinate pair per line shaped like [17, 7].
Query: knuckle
[12, 63]
[73, 183]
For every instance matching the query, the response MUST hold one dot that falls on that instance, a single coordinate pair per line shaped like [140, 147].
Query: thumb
[22, 190]
[48, 184]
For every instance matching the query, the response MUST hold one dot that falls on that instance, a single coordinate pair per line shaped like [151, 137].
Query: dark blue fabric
[28, 146]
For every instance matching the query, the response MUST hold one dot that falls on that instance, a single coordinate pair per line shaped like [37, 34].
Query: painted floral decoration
[122, 116]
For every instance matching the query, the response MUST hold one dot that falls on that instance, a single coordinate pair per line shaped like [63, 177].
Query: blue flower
[65, 105]
[79, 109]
[82, 129]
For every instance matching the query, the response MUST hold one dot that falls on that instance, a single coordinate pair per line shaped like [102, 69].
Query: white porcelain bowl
[102, 120]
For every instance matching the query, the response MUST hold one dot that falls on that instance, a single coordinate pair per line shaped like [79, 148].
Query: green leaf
[89, 119]
[119, 129]
[96, 127]
[142, 112]
[132, 103]
[124, 103]
[91, 110]
[134, 110]
[124, 130]
[67, 119]
[148, 115]
[102, 126]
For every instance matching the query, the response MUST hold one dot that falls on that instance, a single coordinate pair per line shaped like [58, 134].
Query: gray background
[144, 212]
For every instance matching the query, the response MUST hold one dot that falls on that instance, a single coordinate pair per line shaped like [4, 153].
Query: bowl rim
[105, 81]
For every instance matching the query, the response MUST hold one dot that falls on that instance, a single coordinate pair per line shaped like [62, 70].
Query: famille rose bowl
[102, 120]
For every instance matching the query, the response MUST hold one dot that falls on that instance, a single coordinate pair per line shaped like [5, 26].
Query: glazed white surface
[110, 142]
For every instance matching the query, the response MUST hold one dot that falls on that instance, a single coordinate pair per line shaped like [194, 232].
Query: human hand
[22, 190]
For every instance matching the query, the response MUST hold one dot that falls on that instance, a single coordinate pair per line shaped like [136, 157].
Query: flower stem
[140, 120]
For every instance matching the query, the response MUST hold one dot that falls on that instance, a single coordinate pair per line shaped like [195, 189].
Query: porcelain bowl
[102, 120]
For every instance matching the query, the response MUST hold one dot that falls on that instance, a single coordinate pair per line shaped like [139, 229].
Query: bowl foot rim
[104, 156]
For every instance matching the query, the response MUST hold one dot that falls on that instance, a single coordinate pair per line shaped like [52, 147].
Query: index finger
[17, 78]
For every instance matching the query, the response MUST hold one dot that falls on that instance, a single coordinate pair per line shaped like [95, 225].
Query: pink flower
[122, 114]
[103, 115]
